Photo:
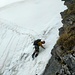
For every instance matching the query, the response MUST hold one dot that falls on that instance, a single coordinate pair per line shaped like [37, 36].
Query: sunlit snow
[4, 3]
[20, 24]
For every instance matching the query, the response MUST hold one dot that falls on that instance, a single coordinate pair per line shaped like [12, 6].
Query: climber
[36, 44]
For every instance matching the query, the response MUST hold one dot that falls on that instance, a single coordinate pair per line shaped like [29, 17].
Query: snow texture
[20, 24]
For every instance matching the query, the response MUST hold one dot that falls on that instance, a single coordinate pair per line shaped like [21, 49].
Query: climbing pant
[36, 52]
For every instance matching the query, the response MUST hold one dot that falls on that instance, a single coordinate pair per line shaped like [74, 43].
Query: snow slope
[7, 2]
[22, 23]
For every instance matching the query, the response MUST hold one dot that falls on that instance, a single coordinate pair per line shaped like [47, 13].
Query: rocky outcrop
[62, 61]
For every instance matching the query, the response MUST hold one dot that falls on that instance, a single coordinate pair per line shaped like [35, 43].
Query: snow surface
[7, 2]
[20, 24]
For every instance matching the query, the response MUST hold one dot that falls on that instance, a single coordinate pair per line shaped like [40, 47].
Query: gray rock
[59, 63]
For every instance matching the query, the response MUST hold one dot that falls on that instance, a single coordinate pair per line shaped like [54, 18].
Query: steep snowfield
[20, 24]
[4, 3]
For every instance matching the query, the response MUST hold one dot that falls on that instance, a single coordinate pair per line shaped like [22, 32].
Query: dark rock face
[62, 61]
[52, 67]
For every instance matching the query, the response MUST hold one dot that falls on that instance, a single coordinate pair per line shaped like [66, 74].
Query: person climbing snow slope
[36, 44]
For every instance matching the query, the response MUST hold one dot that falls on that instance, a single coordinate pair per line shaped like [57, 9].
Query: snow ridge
[24, 23]
[16, 54]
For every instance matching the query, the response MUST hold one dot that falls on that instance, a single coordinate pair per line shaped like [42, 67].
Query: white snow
[7, 2]
[20, 24]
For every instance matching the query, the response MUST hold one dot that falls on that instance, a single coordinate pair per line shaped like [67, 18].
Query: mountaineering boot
[33, 56]
[36, 54]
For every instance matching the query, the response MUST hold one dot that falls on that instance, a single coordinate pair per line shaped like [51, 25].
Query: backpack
[36, 41]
